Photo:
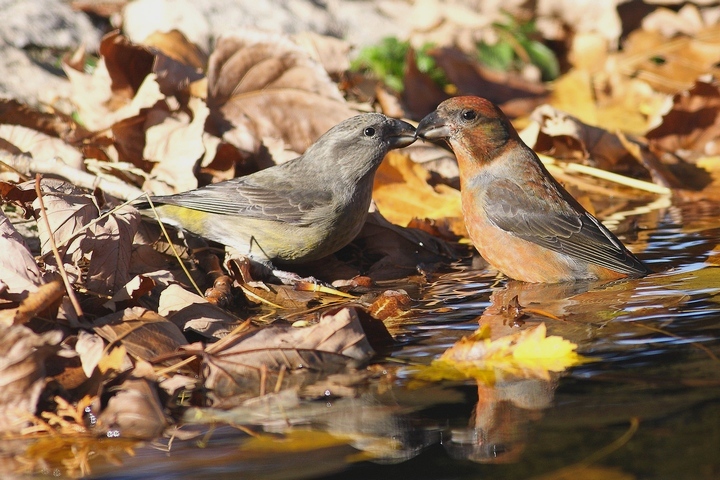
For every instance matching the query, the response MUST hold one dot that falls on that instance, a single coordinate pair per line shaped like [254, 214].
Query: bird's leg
[254, 269]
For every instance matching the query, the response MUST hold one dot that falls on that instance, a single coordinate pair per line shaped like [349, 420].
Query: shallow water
[648, 406]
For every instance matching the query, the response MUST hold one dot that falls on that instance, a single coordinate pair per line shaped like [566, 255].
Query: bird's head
[357, 146]
[470, 125]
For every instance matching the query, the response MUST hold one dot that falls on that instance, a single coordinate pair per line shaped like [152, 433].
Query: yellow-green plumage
[301, 210]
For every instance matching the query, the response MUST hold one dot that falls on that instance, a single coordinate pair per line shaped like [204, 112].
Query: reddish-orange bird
[521, 220]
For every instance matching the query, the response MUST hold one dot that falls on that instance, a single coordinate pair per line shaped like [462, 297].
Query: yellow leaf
[402, 193]
[527, 354]
[573, 93]
[551, 353]
[112, 360]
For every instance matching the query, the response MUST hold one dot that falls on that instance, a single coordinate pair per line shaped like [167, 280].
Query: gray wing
[275, 193]
[519, 211]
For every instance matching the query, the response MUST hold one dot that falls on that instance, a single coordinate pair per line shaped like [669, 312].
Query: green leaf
[499, 56]
[542, 57]
[386, 61]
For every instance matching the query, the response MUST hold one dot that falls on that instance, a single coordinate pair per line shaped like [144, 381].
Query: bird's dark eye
[369, 132]
[469, 115]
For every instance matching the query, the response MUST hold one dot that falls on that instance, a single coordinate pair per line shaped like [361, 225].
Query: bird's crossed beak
[403, 134]
[433, 127]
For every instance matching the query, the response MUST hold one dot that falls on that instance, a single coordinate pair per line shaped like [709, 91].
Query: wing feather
[521, 212]
[250, 197]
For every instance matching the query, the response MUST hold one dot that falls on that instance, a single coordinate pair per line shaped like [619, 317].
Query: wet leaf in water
[526, 354]
[247, 361]
[292, 442]
[389, 304]
[133, 412]
[71, 456]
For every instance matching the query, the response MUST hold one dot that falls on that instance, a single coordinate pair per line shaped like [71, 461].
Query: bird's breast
[513, 256]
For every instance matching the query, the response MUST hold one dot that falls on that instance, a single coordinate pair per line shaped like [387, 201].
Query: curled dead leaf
[263, 85]
[391, 303]
[254, 361]
[22, 372]
[143, 333]
[134, 411]
[19, 272]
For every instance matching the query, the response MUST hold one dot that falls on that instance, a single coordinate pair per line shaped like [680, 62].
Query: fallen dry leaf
[191, 312]
[109, 243]
[691, 127]
[176, 144]
[68, 211]
[44, 300]
[19, 273]
[263, 85]
[53, 124]
[142, 332]
[420, 94]
[22, 372]
[402, 193]
[252, 358]
[176, 46]
[89, 347]
[557, 134]
[40, 145]
[128, 295]
[471, 78]
[330, 52]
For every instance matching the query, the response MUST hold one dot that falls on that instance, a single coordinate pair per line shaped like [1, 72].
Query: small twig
[610, 176]
[263, 378]
[281, 377]
[316, 288]
[56, 252]
[254, 296]
[230, 337]
[176, 366]
[172, 246]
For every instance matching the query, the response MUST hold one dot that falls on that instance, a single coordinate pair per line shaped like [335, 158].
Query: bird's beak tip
[433, 132]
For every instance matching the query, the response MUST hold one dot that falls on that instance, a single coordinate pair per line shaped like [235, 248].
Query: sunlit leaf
[527, 354]
[264, 88]
[402, 192]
